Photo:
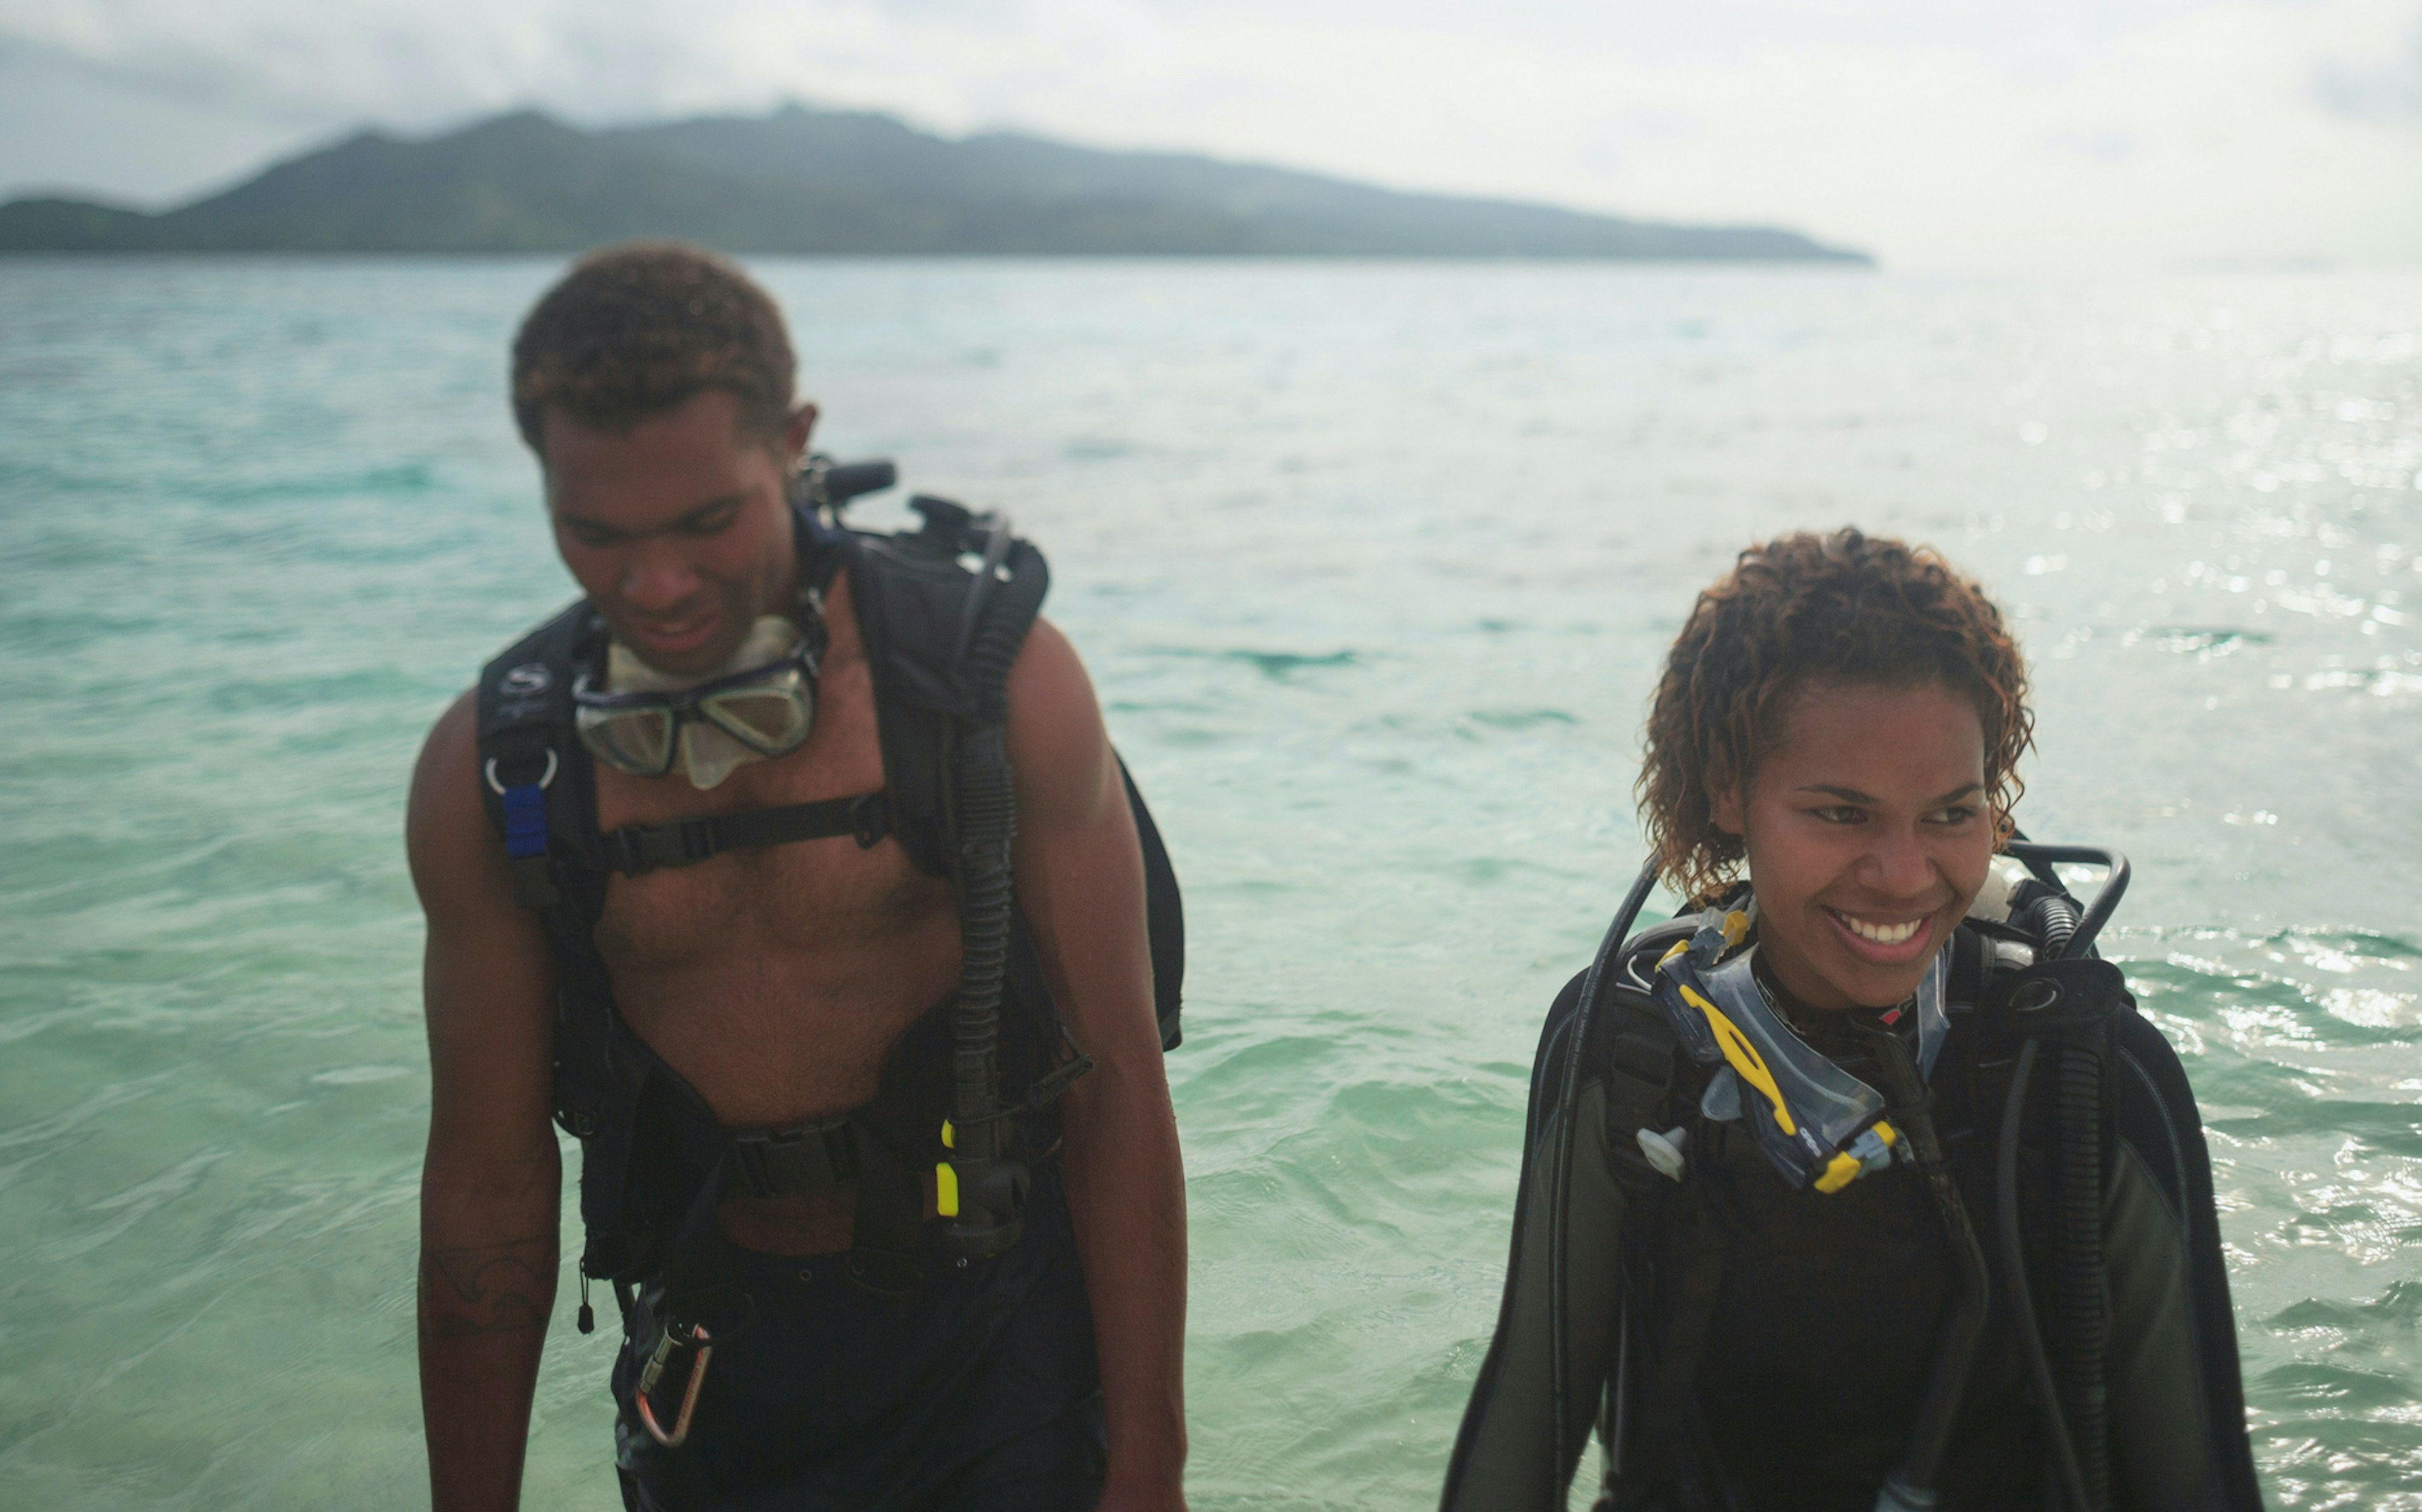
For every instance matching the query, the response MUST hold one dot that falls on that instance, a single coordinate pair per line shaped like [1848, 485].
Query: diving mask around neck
[1814, 1122]
[761, 704]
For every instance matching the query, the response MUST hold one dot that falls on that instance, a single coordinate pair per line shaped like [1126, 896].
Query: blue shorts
[980, 1390]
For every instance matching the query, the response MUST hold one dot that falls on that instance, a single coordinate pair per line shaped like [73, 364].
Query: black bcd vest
[653, 1159]
[1650, 1083]
[2145, 1101]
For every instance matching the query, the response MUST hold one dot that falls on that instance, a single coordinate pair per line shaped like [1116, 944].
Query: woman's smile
[1885, 942]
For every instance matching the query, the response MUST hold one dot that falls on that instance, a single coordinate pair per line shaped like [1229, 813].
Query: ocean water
[1373, 565]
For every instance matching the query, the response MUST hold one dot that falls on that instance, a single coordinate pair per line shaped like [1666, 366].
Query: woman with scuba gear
[1773, 1143]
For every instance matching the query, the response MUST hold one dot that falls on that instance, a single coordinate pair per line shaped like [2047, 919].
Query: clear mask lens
[768, 719]
[636, 741]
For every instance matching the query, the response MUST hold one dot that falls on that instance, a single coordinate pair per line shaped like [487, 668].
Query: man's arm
[1080, 885]
[491, 1178]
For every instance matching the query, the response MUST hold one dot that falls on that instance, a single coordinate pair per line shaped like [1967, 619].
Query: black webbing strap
[700, 1284]
[641, 847]
[1639, 1068]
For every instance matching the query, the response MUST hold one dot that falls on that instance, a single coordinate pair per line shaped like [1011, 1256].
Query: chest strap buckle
[799, 1160]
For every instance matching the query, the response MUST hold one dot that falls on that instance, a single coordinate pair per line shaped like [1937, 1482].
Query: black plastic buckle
[683, 842]
[870, 820]
[794, 1161]
[695, 841]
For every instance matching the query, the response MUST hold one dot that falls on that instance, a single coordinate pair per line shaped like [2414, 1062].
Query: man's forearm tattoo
[495, 1288]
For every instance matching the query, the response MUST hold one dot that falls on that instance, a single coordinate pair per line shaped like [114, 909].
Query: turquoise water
[1373, 565]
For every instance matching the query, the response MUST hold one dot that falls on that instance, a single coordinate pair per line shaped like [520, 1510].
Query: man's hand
[1080, 885]
[493, 1177]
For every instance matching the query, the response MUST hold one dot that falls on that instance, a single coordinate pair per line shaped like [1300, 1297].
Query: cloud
[2097, 146]
[2003, 132]
[2379, 94]
[70, 124]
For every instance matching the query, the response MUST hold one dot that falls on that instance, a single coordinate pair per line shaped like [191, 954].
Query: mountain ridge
[800, 180]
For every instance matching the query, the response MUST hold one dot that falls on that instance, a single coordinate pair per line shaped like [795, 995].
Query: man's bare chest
[828, 897]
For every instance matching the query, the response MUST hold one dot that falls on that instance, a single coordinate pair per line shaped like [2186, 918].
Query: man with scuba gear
[814, 1318]
[1773, 1143]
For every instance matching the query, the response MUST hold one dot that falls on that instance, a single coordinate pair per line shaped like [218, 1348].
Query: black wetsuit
[978, 1392]
[1819, 1325]
[1781, 1337]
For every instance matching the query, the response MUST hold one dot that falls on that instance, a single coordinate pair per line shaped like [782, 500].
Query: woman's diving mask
[1818, 1125]
[646, 723]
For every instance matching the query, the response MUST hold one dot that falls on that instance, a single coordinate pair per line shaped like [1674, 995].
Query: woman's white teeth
[1882, 934]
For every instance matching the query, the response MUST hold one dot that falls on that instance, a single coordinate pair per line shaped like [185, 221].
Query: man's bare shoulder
[1048, 684]
[1057, 741]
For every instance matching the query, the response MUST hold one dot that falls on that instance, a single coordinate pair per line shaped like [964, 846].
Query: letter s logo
[529, 678]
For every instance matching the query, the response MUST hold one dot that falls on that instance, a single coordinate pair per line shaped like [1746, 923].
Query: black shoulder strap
[535, 778]
[1641, 1061]
[914, 603]
[1972, 962]
[539, 785]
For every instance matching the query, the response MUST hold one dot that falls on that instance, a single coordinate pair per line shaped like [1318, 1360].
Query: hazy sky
[1992, 133]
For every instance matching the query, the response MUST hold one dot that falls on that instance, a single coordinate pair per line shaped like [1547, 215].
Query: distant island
[839, 184]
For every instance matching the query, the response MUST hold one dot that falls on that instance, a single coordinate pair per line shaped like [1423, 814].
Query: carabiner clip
[703, 1342]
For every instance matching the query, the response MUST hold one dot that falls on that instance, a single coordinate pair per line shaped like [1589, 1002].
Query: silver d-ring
[489, 772]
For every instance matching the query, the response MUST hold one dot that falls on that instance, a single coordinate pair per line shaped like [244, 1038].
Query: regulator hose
[2041, 859]
[1593, 987]
[2052, 919]
[991, 1190]
[2022, 1304]
[2076, 1398]
[2080, 1282]
[1909, 1106]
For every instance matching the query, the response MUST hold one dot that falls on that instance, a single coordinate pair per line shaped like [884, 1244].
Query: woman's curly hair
[1842, 607]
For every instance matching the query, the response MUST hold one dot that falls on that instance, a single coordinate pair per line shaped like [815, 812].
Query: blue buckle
[525, 805]
[525, 822]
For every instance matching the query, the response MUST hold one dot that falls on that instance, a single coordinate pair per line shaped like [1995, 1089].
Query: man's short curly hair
[636, 329]
[1842, 607]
